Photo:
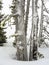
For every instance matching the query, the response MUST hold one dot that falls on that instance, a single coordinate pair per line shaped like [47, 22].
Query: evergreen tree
[2, 36]
[15, 17]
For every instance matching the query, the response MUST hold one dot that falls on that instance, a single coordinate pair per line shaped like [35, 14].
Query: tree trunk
[26, 16]
[21, 28]
[35, 31]
[26, 19]
[41, 25]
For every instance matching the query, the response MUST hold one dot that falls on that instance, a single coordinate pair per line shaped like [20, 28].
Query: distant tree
[2, 33]
[15, 17]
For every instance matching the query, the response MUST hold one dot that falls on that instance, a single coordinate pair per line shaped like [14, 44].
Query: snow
[45, 52]
[7, 57]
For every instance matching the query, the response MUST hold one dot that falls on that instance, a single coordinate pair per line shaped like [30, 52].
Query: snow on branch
[45, 9]
[19, 33]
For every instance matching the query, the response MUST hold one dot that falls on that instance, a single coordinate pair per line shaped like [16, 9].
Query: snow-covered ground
[7, 55]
